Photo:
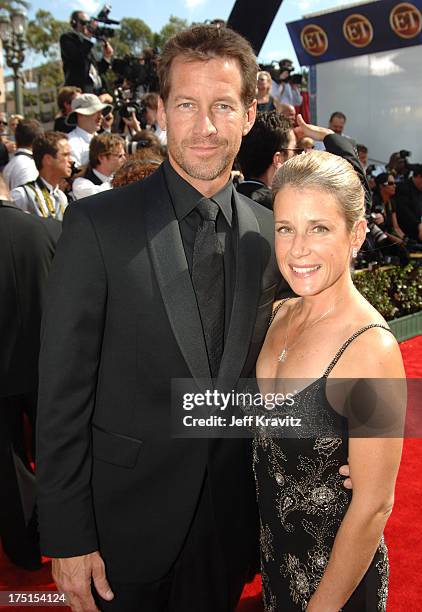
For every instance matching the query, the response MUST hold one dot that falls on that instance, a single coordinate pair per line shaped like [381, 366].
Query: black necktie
[208, 281]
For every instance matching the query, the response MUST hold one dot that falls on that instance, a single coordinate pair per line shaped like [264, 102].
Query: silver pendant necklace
[283, 355]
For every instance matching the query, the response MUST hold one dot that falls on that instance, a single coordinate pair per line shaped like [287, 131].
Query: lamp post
[13, 36]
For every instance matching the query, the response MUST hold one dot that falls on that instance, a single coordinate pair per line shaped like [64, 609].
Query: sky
[157, 12]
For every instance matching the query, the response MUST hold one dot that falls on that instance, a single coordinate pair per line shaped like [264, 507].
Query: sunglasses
[389, 183]
[3, 122]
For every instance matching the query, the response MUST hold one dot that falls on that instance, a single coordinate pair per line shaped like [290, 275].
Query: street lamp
[13, 36]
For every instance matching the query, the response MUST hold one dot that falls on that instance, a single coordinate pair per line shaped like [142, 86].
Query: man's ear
[278, 159]
[250, 118]
[161, 114]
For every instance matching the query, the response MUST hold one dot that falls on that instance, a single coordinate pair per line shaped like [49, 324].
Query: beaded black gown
[302, 502]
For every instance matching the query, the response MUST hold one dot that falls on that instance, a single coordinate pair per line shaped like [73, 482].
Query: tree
[174, 25]
[132, 37]
[8, 5]
[43, 34]
[50, 75]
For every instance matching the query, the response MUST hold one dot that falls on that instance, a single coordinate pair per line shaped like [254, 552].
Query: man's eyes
[223, 106]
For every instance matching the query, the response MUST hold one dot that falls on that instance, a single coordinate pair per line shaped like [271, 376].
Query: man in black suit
[174, 521]
[27, 246]
[80, 67]
[171, 277]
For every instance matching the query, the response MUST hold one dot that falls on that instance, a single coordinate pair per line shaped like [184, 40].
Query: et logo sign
[406, 20]
[358, 30]
[314, 40]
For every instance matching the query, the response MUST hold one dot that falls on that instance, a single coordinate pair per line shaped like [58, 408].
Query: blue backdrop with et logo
[366, 28]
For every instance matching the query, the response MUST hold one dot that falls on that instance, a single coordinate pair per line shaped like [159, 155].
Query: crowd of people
[94, 143]
[176, 277]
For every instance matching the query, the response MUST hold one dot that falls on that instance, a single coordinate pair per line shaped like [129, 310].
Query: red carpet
[403, 533]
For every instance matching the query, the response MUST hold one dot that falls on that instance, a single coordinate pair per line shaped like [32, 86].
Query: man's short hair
[361, 148]
[74, 18]
[269, 134]
[417, 169]
[103, 144]
[205, 42]
[338, 115]
[66, 94]
[46, 144]
[26, 132]
[151, 101]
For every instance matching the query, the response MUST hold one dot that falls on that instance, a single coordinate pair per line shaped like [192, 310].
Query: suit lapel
[246, 294]
[172, 274]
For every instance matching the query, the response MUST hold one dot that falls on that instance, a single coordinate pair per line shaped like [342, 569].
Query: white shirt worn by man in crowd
[87, 113]
[43, 196]
[106, 156]
[21, 168]
[285, 91]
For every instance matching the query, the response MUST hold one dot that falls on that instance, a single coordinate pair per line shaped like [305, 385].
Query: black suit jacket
[121, 322]
[409, 208]
[77, 57]
[27, 245]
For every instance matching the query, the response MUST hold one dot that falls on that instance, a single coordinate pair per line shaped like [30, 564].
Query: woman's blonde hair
[326, 172]
[262, 73]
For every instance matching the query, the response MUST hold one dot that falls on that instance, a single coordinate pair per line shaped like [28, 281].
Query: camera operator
[286, 91]
[409, 204]
[80, 67]
[385, 239]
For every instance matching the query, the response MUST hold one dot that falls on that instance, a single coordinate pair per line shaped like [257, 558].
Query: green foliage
[395, 292]
[43, 34]
[132, 37]
[50, 74]
[174, 25]
[12, 3]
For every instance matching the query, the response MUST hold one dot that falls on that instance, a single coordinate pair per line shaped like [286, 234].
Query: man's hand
[311, 131]
[73, 576]
[10, 145]
[107, 50]
[133, 123]
[344, 471]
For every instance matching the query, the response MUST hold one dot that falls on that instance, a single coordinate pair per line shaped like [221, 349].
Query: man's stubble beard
[206, 170]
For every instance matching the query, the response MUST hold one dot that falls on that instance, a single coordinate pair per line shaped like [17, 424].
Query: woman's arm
[400, 233]
[374, 463]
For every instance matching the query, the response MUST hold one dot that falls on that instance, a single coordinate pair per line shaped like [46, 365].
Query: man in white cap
[87, 113]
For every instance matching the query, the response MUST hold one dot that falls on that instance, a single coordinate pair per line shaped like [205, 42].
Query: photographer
[286, 91]
[80, 67]
[409, 204]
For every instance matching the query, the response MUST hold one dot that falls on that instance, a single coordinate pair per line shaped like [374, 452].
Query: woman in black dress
[322, 547]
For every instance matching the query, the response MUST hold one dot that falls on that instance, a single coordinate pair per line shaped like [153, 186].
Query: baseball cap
[86, 104]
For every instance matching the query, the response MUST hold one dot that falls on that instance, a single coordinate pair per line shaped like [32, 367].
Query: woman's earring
[354, 252]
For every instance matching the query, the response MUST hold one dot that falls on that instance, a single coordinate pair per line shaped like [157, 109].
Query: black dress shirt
[185, 198]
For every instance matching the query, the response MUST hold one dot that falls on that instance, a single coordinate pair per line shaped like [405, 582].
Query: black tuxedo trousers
[121, 321]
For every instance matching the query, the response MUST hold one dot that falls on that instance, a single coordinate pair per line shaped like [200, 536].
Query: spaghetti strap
[276, 309]
[349, 341]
